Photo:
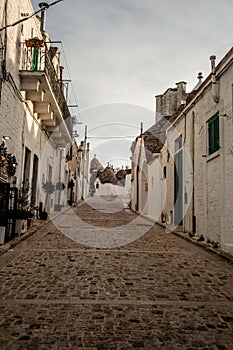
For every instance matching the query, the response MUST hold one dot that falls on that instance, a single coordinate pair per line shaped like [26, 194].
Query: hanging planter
[3, 155]
[48, 187]
[34, 42]
[60, 186]
[7, 160]
[11, 165]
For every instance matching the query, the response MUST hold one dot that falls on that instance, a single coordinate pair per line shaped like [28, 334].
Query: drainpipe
[44, 6]
[138, 170]
[193, 175]
[214, 83]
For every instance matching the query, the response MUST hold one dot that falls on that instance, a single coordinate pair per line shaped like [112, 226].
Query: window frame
[213, 134]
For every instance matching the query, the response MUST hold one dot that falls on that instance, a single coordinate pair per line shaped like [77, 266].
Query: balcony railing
[36, 59]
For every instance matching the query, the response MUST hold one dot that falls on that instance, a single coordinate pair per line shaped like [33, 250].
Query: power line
[111, 137]
[34, 13]
[67, 67]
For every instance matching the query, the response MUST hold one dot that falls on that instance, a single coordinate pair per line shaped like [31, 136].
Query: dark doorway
[26, 173]
[34, 180]
[178, 188]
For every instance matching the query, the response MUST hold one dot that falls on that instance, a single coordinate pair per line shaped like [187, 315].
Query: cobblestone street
[157, 291]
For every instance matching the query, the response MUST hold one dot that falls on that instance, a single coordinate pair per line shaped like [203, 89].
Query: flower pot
[34, 43]
[20, 226]
[24, 226]
[29, 222]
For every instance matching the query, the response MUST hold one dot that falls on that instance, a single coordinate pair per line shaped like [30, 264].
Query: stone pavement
[156, 292]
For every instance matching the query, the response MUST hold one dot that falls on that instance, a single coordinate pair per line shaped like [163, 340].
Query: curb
[15, 241]
[37, 226]
[224, 255]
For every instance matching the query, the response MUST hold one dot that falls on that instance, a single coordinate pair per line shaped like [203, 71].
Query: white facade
[196, 190]
[31, 111]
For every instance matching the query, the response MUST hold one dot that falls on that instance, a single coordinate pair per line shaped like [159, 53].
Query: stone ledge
[203, 245]
[15, 241]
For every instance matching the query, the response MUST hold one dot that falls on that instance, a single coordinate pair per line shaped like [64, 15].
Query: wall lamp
[4, 138]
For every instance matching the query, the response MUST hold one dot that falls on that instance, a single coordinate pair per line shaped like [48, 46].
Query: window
[213, 133]
[164, 172]
[178, 143]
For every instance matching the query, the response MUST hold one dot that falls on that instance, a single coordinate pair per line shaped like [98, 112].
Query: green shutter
[213, 133]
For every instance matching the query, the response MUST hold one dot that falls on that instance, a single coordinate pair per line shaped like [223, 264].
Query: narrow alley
[155, 291]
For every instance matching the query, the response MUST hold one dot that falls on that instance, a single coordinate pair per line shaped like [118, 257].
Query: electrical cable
[26, 18]
[111, 137]
[75, 99]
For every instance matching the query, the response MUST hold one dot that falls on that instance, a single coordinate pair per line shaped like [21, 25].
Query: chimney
[181, 93]
[44, 6]
[199, 77]
[214, 83]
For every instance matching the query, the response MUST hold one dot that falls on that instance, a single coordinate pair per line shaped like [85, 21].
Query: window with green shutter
[213, 133]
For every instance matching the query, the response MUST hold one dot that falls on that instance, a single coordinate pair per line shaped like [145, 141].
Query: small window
[178, 143]
[164, 172]
[213, 134]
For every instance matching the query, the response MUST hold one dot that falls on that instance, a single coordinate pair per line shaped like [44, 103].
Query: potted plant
[3, 215]
[23, 208]
[30, 215]
[7, 160]
[34, 42]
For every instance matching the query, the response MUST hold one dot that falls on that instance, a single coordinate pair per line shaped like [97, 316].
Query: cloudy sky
[121, 53]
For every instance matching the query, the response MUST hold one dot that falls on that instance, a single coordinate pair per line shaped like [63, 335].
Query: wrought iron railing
[38, 59]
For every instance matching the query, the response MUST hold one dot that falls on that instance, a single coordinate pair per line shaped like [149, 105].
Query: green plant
[201, 238]
[60, 186]
[34, 42]
[23, 199]
[48, 187]
[7, 160]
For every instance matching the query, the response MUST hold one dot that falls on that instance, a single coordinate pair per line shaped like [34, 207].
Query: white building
[195, 163]
[33, 110]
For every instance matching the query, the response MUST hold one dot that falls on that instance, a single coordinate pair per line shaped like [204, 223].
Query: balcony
[40, 82]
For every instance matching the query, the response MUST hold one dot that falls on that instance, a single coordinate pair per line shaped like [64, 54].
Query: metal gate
[8, 203]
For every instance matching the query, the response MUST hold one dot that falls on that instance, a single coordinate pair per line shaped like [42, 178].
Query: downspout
[44, 6]
[138, 170]
[193, 187]
[3, 50]
[214, 82]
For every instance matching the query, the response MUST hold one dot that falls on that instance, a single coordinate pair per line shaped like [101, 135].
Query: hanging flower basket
[34, 42]
[7, 160]
[2, 161]
[60, 186]
[48, 187]
[11, 165]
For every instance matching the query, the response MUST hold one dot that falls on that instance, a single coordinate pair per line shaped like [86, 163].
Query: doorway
[178, 188]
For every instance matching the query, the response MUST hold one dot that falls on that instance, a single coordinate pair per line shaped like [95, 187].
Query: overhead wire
[65, 60]
[36, 27]
[72, 88]
[33, 14]
[64, 56]
[111, 137]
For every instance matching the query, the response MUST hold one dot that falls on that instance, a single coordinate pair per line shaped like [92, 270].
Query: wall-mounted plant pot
[20, 226]
[43, 215]
[34, 43]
